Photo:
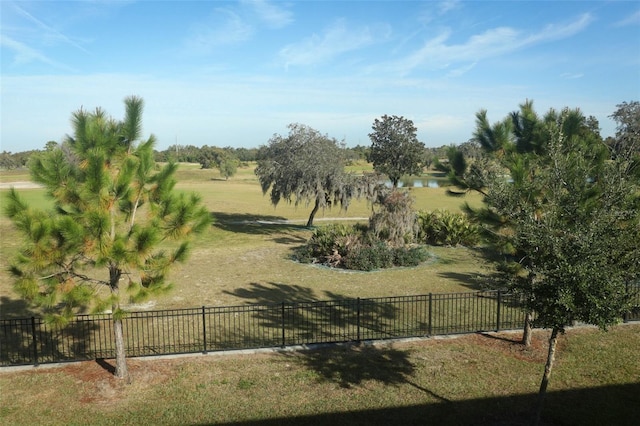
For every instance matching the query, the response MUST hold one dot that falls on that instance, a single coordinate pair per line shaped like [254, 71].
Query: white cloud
[225, 27]
[25, 54]
[448, 5]
[633, 19]
[273, 15]
[334, 41]
[571, 76]
[47, 32]
[436, 53]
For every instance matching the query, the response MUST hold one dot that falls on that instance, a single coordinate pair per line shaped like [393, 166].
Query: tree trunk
[313, 213]
[551, 355]
[121, 358]
[527, 332]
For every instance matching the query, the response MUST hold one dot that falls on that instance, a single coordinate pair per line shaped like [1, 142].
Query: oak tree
[395, 148]
[305, 167]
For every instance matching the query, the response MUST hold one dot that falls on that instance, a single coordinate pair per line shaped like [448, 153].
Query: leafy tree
[117, 223]
[227, 164]
[513, 148]
[305, 166]
[8, 161]
[574, 221]
[395, 149]
[627, 140]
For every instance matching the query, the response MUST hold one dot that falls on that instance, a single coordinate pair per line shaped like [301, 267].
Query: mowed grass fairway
[245, 256]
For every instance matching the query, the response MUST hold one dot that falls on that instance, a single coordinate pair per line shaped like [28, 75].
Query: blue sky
[234, 73]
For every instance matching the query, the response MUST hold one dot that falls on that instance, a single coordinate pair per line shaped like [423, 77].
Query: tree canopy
[564, 212]
[305, 167]
[395, 148]
[116, 228]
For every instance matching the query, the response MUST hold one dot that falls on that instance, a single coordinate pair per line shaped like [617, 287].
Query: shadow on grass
[257, 225]
[26, 339]
[274, 293]
[473, 281]
[350, 365]
[610, 405]
[15, 308]
[305, 320]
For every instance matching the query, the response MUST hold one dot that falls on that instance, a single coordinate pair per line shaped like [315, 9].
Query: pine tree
[116, 228]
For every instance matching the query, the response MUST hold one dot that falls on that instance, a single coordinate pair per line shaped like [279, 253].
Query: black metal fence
[31, 341]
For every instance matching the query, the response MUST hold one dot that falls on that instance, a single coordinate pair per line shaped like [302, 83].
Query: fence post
[283, 327]
[498, 310]
[430, 329]
[204, 331]
[35, 341]
[358, 320]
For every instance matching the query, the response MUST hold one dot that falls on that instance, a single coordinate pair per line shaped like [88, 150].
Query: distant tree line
[206, 155]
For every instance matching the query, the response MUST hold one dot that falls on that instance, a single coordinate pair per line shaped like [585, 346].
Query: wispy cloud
[49, 33]
[25, 54]
[448, 5]
[433, 10]
[336, 40]
[225, 27]
[273, 15]
[437, 53]
[633, 19]
[571, 76]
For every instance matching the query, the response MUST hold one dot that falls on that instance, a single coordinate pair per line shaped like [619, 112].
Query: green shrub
[409, 256]
[330, 238]
[446, 228]
[368, 258]
[355, 247]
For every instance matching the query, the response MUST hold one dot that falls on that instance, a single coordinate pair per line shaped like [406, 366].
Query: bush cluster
[446, 228]
[355, 247]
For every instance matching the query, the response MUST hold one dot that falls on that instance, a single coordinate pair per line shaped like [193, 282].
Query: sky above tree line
[234, 73]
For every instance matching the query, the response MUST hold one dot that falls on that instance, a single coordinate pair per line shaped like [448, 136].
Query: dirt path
[19, 185]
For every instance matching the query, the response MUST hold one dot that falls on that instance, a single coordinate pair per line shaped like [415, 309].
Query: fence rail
[31, 341]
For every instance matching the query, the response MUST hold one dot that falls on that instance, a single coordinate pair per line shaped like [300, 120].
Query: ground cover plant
[480, 379]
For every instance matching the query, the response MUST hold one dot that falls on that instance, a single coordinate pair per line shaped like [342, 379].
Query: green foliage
[442, 227]
[306, 167]
[409, 256]
[222, 159]
[355, 247]
[395, 149]
[115, 217]
[370, 257]
[575, 234]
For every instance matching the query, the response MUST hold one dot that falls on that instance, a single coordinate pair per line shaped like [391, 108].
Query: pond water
[415, 183]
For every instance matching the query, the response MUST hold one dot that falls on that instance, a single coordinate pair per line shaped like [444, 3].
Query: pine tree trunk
[121, 358]
[313, 213]
[551, 355]
[527, 332]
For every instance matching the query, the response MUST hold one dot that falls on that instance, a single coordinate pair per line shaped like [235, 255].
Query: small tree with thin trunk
[305, 167]
[116, 227]
[578, 231]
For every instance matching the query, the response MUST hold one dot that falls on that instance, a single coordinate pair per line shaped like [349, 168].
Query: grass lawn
[473, 379]
[245, 256]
